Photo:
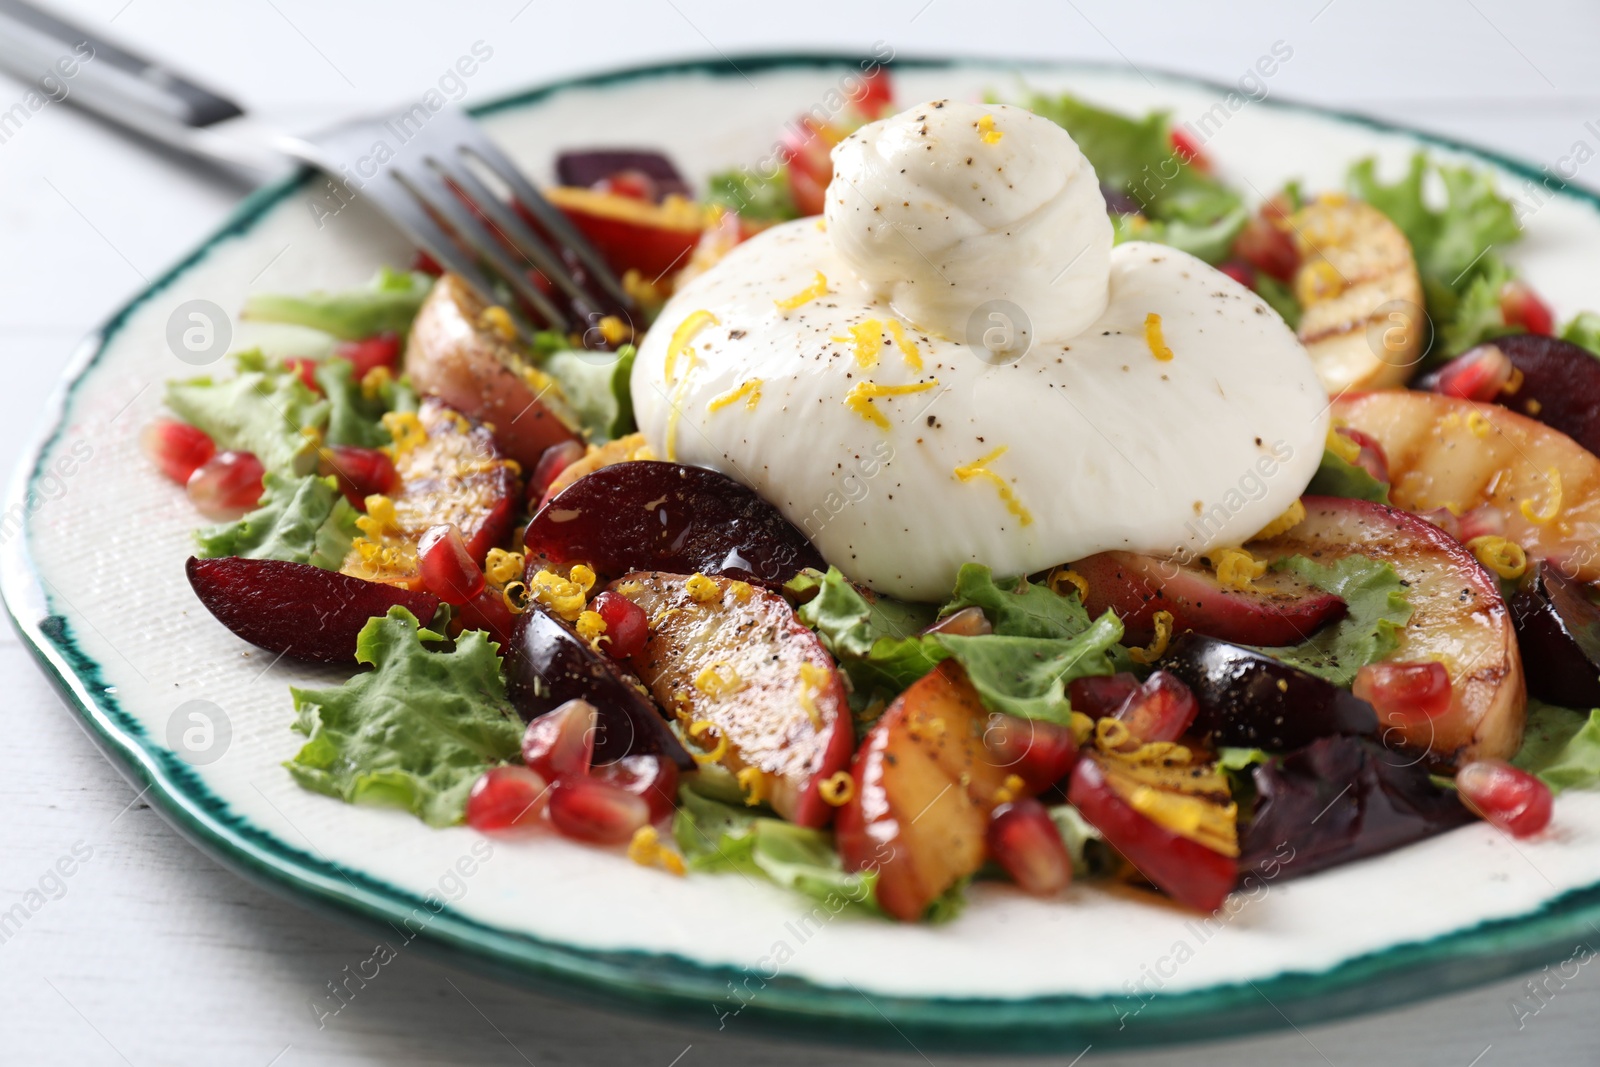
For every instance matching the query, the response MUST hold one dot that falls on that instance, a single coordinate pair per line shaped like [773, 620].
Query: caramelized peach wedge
[750, 686]
[1541, 486]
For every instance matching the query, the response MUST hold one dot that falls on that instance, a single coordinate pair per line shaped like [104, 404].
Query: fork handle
[66, 62]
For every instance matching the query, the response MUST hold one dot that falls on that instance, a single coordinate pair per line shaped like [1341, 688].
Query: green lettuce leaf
[299, 520]
[1561, 746]
[875, 641]
[1454, 245]
[751, 196]
[264, 411]
[597, 389]
[390, 303]
[1016, 608]
[1028, 676]
[353, 419]
[415, 731]
[1085, 844]
[1337, 476]
[1583, 331]
[1182, 206]
[1376, 611]
[714, 836]
[1279, 298]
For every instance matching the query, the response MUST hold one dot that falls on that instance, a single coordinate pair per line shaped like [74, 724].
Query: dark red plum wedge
[654, 516]
[295, 609]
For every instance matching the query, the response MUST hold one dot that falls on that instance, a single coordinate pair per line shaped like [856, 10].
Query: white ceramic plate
[96, 585]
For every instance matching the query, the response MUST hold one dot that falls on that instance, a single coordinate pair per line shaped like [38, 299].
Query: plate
[93, 549]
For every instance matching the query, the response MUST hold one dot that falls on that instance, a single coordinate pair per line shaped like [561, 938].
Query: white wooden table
[149, 953]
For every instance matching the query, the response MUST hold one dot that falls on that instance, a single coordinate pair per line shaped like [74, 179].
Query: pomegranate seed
[1188, 150]
[361, 472]
[633, 184]
[968, 622]
[627, 626]
[1159, 710]
[1266, 247]
[487, 611]
[1521, 306]
[1404, 692]
[306, 368]
[552, 462]
[227, 485]
[1040, 753]
[1240, 271]
[1185, 870]
[1505, 797]
[447, 568]
[560, 743]
[1101, 695]
[426, 264]
[588, 809]
[382, 350]
[1479, 374]
[504, 797]
[651, 777]
[1023, 839]
[177, 448]
[1372, 459]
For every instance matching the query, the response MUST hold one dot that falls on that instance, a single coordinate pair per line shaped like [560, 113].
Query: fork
[446, 186]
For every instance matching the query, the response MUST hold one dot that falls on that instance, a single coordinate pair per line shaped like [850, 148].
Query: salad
[969, 504]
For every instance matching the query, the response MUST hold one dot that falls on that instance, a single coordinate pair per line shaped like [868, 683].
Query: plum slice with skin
[451, 472]
[452, 354]
[1560, 383]
[1464, 456]
[548, 665]
[925, 786]
[733, 655]
[1250, 700]
[1279, 609]
[295, 609]
[1459, 619]
[1558, 628]
[654, 516]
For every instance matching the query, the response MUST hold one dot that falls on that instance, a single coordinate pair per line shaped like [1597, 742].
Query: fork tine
[510, 226]
[473, 141]
[432, 192]
[403, 208]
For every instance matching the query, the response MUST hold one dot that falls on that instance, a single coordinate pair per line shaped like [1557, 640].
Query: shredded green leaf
[1583, 331]
[389, 304]
[1028, 676]
[1017, 608]
[1338, 477]
[299, 520]
[415, 731]
[265, 411]
[714, 836]
[596, 385]
[353, 418]
[752, 196]
[875, 642]
[1561, 746]
[1182, 206]
[1376, 611]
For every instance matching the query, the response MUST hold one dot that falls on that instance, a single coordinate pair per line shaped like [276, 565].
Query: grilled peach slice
[733, 655]
[449, 470]
[1457, 454]
[455, 352]
[925, 785]
[1459, 620]
[1359, 293]
[1280, 608]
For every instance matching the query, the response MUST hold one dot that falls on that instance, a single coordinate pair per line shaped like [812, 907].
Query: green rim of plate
[686, 991]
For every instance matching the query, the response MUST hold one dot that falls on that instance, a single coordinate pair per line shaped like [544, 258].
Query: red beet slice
[654, 516]
[295, 609]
